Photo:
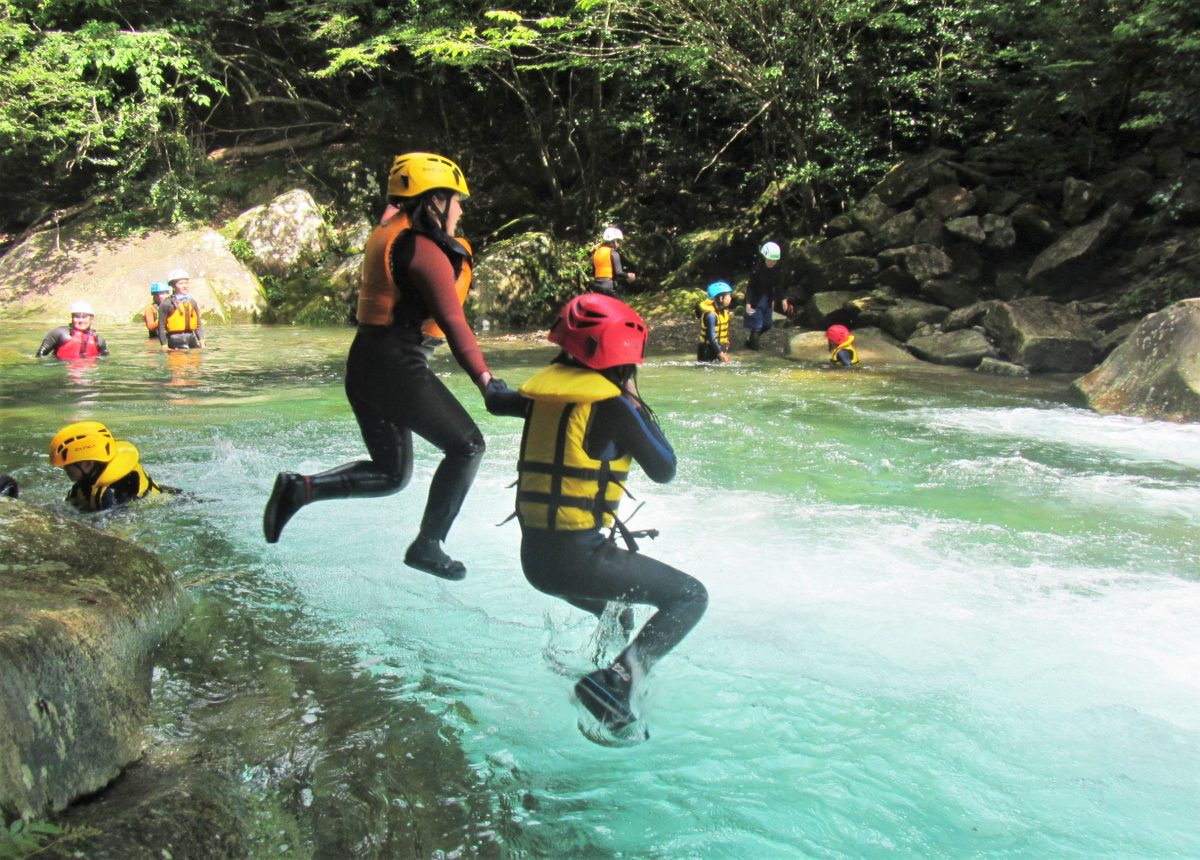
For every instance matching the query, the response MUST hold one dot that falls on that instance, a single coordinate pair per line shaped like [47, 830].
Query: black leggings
[588, 571]
[394, 394]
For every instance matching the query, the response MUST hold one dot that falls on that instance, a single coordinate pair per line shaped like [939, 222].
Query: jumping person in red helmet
[585, 423]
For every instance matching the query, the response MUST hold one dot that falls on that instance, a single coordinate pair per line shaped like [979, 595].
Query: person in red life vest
[585, 424]
[413, 272]
[158, 291]
[78, 340]
[179, 325]
[841, 345]
[606, 264]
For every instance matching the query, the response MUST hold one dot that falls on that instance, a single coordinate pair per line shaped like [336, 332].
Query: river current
[950, 615]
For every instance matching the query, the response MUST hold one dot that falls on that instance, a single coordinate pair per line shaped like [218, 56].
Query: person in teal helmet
[158, 292]
[713, 313]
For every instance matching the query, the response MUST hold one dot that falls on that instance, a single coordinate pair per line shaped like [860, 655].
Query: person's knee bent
[471, 448]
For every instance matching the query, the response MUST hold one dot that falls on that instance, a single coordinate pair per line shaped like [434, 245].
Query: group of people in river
[172, 317]
[585, 422]
[766, 295]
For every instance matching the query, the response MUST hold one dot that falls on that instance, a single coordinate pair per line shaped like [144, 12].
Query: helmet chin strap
[442, 215]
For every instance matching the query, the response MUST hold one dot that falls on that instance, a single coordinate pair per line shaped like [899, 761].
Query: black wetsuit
[588, 570]
[394, 394]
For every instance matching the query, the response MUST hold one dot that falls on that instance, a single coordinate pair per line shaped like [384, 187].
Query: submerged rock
[80, 613]
[1155, 372]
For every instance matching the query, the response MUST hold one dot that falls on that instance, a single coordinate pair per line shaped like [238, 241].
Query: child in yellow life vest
[585, 424]
[714, 316]
[106, 471]
[841, 345]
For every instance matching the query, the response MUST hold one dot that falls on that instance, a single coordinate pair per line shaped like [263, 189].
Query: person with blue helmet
[713, 313]
[764, 294]
[158, 292]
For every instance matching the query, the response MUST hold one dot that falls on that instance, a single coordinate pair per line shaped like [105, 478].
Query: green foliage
[21, 839]
[671, 113]
[242, 250]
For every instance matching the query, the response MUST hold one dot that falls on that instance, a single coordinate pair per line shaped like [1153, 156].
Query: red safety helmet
[837, 334]
[600, 331]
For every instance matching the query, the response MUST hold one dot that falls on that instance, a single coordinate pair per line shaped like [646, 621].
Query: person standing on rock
[158, 291]
[77, 340]
[606, 264]
[764, 294]
[413, 271]
[179, 325]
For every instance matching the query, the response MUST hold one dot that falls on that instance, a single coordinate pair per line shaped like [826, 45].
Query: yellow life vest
[559, 487]
[707, 307]
[185, 316]
[124, 462]
[846, 344]
[602, 262]
[378, 293]
[150, 315]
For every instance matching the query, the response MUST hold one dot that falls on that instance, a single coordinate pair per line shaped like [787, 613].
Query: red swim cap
[837, 333]
[600, 331]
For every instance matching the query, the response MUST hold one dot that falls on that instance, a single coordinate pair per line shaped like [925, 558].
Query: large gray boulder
[1042, 335]
[1155, 372]
[80, 613]
[1080, 242]
[42, 276]
[872, 345]
[285, 235]
[902, 319]
[829, 307]
[962, 348]
[910, 177]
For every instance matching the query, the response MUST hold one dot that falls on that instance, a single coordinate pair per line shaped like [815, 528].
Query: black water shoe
[427, 554]
[606, 696]
[289, 495]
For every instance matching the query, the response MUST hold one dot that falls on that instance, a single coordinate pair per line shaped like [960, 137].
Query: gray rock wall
[80, 614]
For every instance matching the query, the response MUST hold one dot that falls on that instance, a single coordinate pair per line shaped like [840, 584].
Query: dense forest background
[662, 116]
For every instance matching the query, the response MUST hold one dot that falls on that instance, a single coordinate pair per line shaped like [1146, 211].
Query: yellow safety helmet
[83, 440]
[414, 173]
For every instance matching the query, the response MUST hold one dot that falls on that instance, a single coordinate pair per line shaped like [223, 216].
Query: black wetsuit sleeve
[51, 342]
[101, 345]
[618, 272]
[164, 310]
[511, 404]
[620, 425]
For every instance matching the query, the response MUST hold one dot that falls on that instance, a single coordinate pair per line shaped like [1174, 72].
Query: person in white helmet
[764, 294]
[606, 264]
[179, 325]
[77, 340]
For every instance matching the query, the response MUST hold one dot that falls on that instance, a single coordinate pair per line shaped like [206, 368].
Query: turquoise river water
[950, 616]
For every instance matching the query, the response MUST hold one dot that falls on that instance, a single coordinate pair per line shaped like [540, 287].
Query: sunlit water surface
[950, 615]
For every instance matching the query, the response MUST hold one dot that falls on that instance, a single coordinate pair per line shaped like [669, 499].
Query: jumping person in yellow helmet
[412, 274]
[105, 470]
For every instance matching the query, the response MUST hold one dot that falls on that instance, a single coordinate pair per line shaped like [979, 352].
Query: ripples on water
[949, 616]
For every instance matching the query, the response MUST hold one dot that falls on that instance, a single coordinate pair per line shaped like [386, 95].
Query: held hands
[724, 357]
[494, 390]
[630, 276]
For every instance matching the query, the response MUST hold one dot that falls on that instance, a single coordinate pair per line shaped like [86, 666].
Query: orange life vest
[185, 316]
[602, 262]
[150, 315]
[378, 294]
